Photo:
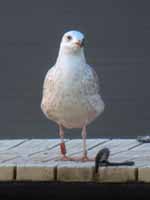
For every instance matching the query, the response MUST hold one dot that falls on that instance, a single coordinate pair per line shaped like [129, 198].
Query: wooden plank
[115, 146]
[138, 154]
[27, 150]
[35, 160]
[140, 160]
[5, 157]
[144, 174]
[7, 172]
[74, 147]
[36, 145]
[75, 171]
[68, 172]
[38, 172]
[10, 144]
[116, 174]
[78, 171]
[84, 172]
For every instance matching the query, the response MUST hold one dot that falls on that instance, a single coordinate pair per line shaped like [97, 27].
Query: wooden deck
[36, 160]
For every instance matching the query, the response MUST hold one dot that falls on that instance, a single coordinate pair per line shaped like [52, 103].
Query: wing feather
[48, 84]
[91, 81]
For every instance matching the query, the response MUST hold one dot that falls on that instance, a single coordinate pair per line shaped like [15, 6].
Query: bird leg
[62, 144]
[85, 157]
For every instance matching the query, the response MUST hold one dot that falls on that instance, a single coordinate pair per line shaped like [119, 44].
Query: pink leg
[63, 147]
[84, 158]
[62, 144]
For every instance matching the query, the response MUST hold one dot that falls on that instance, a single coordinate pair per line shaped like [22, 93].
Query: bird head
[72, 41]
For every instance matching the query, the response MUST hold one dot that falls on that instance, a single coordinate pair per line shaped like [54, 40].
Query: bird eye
[69, 37]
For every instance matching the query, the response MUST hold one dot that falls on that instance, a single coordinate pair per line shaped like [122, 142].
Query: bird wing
[49, 81]
[91, 91]
[91, 81]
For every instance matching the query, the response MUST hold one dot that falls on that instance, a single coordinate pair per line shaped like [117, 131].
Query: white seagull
[71, 91]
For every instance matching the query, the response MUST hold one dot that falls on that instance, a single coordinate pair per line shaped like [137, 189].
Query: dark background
[58, 190]
[117, 46]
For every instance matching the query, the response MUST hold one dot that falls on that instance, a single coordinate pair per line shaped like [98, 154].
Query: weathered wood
[144, 174]
[139, 154]
[74, 148]
[38, 172]
[7, 172]
[75, 171]
[116, 174]
[10, 144]
[39, 160]
[116, 146]
[29, 151]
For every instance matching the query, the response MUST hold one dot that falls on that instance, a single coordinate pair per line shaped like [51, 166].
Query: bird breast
[66, 102]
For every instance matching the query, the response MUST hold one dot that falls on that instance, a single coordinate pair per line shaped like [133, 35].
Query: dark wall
[118, 47]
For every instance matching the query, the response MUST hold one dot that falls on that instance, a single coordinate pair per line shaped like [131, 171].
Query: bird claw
[65, 158]
[87, 159]
[76, 159]
[83, 159]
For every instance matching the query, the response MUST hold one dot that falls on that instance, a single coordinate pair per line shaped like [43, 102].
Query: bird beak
[79, 44]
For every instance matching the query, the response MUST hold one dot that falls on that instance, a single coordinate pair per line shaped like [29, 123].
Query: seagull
[71, 95]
